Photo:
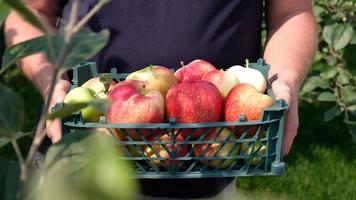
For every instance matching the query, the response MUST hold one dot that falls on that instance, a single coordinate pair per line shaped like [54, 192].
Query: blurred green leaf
[331, 60]
[85, 44]
[12, 114]
[20, 50]
[353, 40]
[86, 166]
[66, 110]
[332, 113]
[26, 14]
[318, 56]
[329, 72]
[9, 176]
[317, 12]
[349, 57]
[101, 105]
[327, 97]
[4, 141]
[344, 76]
[68, 153]
[319, 66]
[338, 35]
[348, 93]
[352, 129]
[4, 11]
[352, 109]
[315, 82]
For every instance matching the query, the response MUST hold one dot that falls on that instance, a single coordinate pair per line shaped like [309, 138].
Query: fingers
[291, 127]
[54, 131]
[283, 91]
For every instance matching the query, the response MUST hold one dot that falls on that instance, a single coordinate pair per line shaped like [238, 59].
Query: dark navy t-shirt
[165, 32]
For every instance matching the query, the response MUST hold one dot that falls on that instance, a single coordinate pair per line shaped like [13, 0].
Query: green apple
[83, 95]
[257, 152]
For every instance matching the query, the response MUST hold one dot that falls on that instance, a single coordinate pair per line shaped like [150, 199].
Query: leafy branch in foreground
[65, 48]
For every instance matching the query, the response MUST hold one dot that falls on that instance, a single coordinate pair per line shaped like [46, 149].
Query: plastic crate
[259, 154]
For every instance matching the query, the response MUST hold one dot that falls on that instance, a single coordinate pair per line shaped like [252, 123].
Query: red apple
[152, 151]
[101, 85]
[194, 102]
[223, 80]
[155, 77]
[221, 148]
[133, 103]
[245, 99]
[194, 71]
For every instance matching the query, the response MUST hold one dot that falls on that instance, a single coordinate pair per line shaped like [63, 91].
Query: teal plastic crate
[259, 154]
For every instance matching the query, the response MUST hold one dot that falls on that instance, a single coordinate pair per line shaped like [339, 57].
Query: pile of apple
[195, 93]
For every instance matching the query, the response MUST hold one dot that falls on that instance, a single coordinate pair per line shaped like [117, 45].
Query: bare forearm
[290, 48]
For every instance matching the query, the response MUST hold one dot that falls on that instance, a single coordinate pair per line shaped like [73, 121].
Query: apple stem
[247, 63]
[182, 63]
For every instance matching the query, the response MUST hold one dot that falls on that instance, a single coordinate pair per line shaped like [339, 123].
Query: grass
[322, 164]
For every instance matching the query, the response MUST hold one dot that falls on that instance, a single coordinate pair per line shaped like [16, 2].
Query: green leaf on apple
[327, 97]
[106, 80]
[332, 113]
[12, 115]
[315, 82]
[338, 35]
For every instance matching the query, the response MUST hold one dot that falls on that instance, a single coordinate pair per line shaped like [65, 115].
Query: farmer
[164, 32]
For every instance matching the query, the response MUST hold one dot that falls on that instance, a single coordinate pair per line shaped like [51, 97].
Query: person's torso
[166, 32]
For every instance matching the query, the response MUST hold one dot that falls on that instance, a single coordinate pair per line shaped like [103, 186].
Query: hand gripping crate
[252, 148]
